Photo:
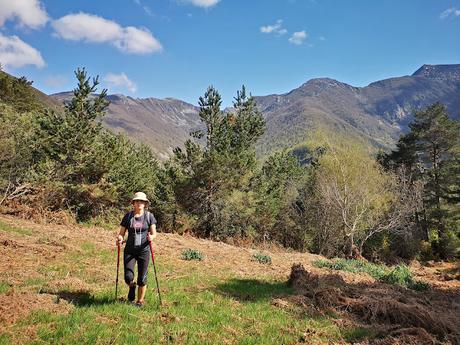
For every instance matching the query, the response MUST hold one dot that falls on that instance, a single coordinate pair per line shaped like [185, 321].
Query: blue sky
[176, 48]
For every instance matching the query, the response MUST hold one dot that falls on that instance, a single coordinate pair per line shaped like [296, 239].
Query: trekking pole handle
[119, 243]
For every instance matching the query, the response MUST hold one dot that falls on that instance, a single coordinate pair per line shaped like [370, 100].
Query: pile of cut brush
[399, 315]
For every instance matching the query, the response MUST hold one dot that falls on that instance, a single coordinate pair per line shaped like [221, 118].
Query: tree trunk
[349, 247]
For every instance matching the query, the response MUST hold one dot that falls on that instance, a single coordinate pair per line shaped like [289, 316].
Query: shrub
[399, 275]
[354, 266]
[192, 254]
[419, 285]
[262, 258]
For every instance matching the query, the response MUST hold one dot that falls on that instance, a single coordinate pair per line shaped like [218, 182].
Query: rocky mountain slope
[161, 123]
[379, 112]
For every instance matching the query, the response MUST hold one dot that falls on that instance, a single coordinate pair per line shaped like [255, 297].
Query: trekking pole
[118, 269]
[155, 269]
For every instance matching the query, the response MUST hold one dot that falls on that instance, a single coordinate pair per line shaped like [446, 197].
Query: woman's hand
[119, 240]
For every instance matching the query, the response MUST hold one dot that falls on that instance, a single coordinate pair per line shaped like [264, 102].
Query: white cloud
[120, 80]
[94, 29]
[30, 13]
[298, 38]
[322, 38]
[450, 12]
[203, 3]
[15, 53]
[146, 9]
[276, 28]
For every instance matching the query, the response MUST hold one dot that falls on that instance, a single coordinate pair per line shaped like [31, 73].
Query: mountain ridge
[378, 112]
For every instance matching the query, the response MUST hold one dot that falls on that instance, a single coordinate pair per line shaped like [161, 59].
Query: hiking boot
[132, 293]
[139, 304]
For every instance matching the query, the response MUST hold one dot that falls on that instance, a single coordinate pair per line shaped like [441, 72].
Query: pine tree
[431, 152]
[218, 174]
[70, 138]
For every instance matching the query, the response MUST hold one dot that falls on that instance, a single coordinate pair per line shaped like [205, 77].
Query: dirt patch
[442, 275]
[70, 283]
[15, 306]
[407, 336]
[419, 316]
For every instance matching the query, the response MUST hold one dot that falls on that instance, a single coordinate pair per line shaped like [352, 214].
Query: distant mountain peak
[443, 72]
[322, 81]
[318, 86]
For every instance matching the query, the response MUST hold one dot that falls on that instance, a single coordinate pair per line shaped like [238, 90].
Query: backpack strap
[131, 218]
[146, 218]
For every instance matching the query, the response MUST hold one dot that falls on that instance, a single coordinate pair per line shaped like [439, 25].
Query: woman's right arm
[121, 235]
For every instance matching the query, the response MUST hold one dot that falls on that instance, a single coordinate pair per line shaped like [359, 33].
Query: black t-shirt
[137, 227]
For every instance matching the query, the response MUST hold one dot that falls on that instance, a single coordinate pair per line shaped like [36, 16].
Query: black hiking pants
[142, 257]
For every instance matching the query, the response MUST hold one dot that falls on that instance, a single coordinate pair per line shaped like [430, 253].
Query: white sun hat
[140, 196]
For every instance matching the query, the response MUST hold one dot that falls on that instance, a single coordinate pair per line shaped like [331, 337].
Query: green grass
[358, 334]
[197, 308]
[88, 247]
[398, 275]
[37, 283]
[4, 287]
[9, 228]
[4, 339]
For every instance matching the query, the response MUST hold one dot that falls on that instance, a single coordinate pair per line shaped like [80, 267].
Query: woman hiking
[138, 223]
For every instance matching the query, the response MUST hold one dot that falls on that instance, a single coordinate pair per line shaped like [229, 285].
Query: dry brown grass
[417, 315]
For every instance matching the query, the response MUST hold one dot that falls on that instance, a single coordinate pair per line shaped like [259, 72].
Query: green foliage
[431, 152]
[346, 199]
[71, 139]
[327, 195]
[69, 158]
[213, 183]
[419, 285]
[262, 258]
[354, 266]
[275, 188]
[131, 167]
[16, 158]
[192, 254]
[398, 275]
[17, 93]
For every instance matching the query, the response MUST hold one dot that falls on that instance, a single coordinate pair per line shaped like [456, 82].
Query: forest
[334, 195]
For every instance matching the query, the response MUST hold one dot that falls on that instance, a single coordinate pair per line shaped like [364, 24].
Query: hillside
[161, 123]
[379, 112]
[57, 286]
[16, 90]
